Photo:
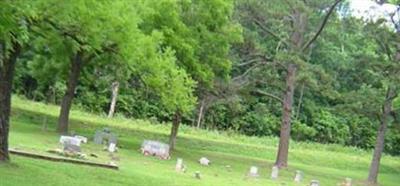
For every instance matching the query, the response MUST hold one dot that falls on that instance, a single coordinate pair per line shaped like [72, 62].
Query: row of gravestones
[297, 178]
[72, 144]
[180, 167]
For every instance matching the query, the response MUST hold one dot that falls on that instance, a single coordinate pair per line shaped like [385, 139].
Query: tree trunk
[174, 130]
[7, 67]
[282, 156]
[76, 67]
[200, 116]
[115, 89]
[300, 102]
[380, 140]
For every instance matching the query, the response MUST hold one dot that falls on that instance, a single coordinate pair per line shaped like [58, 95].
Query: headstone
[105, 136]
[347, 182]
[71, 148]
[112, 139]
[314, 183]
[70, 140]
[155, 148]
[204, 161]
[98, 137]
[179, 165]
[82, 138]
[112, 147]
[298, 177]
[197, 175]
[253, 171]
[275, 172]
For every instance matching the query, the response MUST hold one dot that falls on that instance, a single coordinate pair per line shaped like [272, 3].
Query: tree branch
[269, 95]
[265, 29]
[321, 28]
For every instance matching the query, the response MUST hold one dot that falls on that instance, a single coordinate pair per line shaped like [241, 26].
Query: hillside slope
[33, 129]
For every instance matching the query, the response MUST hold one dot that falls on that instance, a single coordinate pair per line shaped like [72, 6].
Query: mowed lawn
[330, 164]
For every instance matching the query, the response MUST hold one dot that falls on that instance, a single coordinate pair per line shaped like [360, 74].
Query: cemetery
[200, 92]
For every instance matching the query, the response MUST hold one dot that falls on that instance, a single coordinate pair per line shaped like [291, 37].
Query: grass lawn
[329, 164]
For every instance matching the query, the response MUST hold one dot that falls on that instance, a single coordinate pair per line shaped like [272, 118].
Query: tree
[15, 20]
[288, 49]
[83, 31]
[200, 33]
[390, 68]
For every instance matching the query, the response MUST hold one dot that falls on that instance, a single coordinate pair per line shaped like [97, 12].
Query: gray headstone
[155, 148]
[197, 175]
[314, 183]
[105, 136]
[299, 176]
[98, 137]
[72, 148]
[112, 139]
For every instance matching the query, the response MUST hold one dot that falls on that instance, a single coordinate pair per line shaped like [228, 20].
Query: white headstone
[204, 161]
[179, 165]
[112, 147]
[82, 138]
[298, 176]
[253, 171]
[70, 140]
[275, 172]
[314, 183]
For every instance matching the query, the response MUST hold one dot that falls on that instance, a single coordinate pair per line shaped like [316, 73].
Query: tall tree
[15, 20]
[291, 50]
[200, 33]
[84, 30]
[390, 69]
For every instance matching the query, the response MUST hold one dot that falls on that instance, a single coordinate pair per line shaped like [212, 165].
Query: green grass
[329, 164]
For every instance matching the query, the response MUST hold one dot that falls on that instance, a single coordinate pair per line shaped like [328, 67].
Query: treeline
[305, 70]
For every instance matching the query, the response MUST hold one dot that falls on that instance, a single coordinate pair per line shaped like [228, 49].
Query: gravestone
[197, 175]
[204, 161]
[275, 172]
[98, 137]
[155, 148]
[112, 147]
[179, 165]
[70, 140]
[71, 148]
[82, 138]
[70, 144]
[314, 183]
[253, 171]
[298, 177]
[104, 136]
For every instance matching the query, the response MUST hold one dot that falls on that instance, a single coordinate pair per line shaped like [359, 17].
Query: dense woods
[301, 70]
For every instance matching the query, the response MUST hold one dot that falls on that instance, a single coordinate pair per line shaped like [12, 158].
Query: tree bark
[115, 89]
[282, 156]
[174, 130]
[380, 139]
[7, 67]
[300, 101]
[200, 116]
[76, 67]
